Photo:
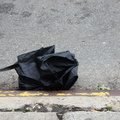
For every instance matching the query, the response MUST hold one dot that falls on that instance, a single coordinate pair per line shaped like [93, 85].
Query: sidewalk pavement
[66, 116]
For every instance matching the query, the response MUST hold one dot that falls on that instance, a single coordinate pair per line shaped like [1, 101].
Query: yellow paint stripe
[46, 94]
[37, 93]
[63, 94]
[107, 93]
[2, 95]
[8, 91]
[29, 94]
[94, 94]
[82, 94]
[11, 95]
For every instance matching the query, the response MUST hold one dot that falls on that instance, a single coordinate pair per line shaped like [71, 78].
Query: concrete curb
[27, 116]
[60, 108]
[77, 101]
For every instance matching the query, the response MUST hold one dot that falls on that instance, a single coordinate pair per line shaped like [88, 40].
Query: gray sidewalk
[88, 28]
[67, 116]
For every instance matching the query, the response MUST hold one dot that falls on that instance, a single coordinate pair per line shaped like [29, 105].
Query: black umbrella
[45, 70]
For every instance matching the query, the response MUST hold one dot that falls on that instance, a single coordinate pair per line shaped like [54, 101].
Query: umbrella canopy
[45, 70]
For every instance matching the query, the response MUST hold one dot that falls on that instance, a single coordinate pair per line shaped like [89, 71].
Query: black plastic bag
[45, 70]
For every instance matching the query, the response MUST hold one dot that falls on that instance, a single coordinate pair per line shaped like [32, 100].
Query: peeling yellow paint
[82, 94]
[8, 91]
[38, 93]
[67, 94]
[11, 95]
[95, 94]
[107, 93]
[2, 95]
[99, 94]
[63, 94]
[46, 94]
[29, 94]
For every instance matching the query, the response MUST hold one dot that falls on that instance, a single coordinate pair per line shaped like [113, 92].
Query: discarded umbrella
[45, 70]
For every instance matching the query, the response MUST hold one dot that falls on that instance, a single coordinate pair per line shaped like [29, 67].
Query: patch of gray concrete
[66, 116]
[26, 116]
[89, 29]
[91, 116]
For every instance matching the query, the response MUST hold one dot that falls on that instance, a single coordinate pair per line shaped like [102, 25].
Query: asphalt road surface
[88, 28]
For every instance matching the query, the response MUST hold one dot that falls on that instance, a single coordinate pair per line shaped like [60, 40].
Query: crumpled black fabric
[44, 69]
